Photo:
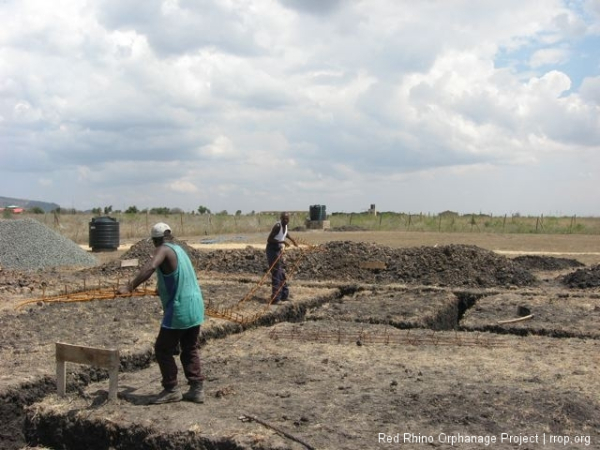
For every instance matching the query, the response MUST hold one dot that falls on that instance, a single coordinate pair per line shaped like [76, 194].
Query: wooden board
[97, 357]
[129, 263]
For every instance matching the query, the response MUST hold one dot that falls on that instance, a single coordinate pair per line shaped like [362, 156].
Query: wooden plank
[91, 356]
[130, 263]
[61, 378]
[113, 383]
[97, 357]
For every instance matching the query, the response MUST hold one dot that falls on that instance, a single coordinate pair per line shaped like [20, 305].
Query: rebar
[233, 314]
[347, 336]
[309, 248]
[87, 295]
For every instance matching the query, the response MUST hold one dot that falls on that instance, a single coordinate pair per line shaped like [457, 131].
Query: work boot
[168, 395]
[196, 393]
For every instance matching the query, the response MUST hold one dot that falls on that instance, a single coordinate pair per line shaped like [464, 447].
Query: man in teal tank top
[183, 313]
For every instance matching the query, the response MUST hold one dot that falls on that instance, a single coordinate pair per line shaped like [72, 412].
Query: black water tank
[318, 213]
[104, 234]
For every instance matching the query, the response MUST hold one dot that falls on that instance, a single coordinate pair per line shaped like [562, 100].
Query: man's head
[159, 232]
[285, 218]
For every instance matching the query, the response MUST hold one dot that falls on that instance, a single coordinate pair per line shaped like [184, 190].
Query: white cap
[159, 229]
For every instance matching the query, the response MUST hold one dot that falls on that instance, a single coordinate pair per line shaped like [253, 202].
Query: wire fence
[136, 225]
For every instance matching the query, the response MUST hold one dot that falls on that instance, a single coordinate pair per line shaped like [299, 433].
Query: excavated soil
[442, 346]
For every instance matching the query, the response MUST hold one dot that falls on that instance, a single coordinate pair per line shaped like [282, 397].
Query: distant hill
[27, 204]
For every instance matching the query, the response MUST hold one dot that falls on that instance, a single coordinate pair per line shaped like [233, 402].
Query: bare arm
[146, 272]
[292, 239]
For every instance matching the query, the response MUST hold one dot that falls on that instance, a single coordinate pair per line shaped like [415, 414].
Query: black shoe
[168, 396]
[195, 394]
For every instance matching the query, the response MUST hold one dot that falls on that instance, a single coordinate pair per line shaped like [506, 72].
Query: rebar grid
[346, 336]
[232, 314]
[111, 294]
[86, 296]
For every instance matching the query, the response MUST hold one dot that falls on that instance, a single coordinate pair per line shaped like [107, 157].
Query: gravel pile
[29, 244]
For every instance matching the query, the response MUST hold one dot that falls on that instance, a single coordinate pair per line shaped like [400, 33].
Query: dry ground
[345, 365]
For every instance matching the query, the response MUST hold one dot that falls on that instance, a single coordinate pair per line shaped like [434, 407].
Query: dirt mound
[583, 278]
[452, 265]
[347, 261]
[536, 262]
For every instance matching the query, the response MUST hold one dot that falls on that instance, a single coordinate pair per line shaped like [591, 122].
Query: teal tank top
[180, 294]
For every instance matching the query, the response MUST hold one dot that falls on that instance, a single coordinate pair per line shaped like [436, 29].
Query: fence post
[571, 224]
[474, 222]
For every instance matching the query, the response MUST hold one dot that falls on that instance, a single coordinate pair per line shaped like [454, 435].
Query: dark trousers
[279, 287]
[166, 346]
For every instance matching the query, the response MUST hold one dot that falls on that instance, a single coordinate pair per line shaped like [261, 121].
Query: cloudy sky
[488, 106]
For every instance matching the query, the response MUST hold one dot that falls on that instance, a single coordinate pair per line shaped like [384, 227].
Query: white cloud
[83, 173]
[220, 148]
[281, 104]
[316, 7]
[590, 90]
[183, 186]
[549, 56]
